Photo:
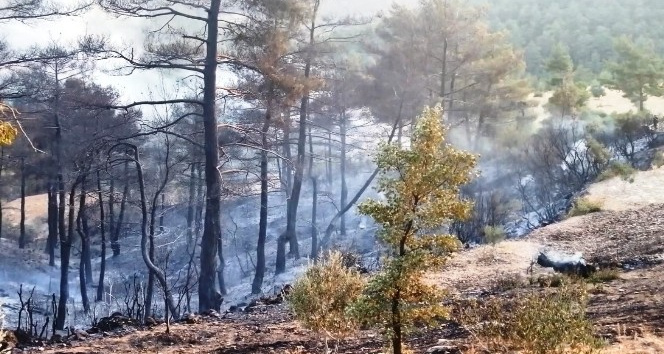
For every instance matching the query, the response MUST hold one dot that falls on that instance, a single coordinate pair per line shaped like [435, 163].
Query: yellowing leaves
[7, 133]
[421, 187]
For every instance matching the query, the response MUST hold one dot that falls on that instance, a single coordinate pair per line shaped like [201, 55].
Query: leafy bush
[597, 90]
[604, 276]
[421, 185]
[493, 234]
[537, 323]
[322, 295]
[508, 282]
[618, 169]
[585, 206]
[658, 159]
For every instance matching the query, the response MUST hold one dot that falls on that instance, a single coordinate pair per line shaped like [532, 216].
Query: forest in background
[586, 27]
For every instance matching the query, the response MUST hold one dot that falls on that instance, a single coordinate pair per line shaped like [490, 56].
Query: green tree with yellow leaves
[420, 185]
[8, 132]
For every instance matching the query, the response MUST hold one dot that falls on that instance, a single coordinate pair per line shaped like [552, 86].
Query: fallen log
[566, 264]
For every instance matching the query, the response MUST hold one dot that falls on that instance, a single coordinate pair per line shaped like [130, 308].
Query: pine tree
[421, 189]
[638, 72]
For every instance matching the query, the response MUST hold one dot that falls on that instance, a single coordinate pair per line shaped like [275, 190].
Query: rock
[191, 318]
[443, 349]
[211, 313]
[115, 322]
[80, 335]
[151, 322]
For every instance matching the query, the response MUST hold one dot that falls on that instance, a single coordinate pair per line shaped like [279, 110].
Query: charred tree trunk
[344, 187]
[199, 204]
[328, 157]
[330, 227]
[111, 216]
[85, 248]
[159, 275]
[158, 194]
[66, 237]
[256, 287]
[102, 231]
[208, 291]
[22, 240]
[191, 208]
[162, 212]
[286, 171]
[52, 239]
[115, 241]
[314, 199]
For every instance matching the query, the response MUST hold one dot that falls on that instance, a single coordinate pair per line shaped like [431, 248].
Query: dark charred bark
[115, 241]
[191, 208]
[22, 240]
[52, 239]
[102, 231]
[328, 157]
[314, 199]
[344, 186]
[66, 237]
[154, 207]
[85, 248]
[209, 296]
[199, 203]
[256, 287]
[159, 275]
[330, 227]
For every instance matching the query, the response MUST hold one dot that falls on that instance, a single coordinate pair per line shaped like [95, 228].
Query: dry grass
[617, 194]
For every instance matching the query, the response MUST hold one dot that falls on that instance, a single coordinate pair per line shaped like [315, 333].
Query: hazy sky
[127, 32]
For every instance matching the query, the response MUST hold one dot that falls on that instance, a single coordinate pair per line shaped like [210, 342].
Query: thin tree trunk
[199, 204]
[123, 206]
[85, 248]
[287, 173]
[111, 217]
[256, 287]
[153, 269]
[344, 186]
[209, 296]
[330, 227]
[314, 199]
[65, 251]
[22, 240]
[159, 194]
[328, 159]
[52, 240]
[191, 208]
[163, 211]
[102, 230]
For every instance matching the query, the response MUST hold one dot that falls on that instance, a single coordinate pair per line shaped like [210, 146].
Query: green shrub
[658, 159]
[597, 90]
[585, 206]
[509, 282]
[618, 169]
[554, 280]
[493, 234]
[540, 322]
[320, 297]
[604, 276]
